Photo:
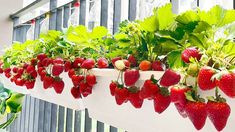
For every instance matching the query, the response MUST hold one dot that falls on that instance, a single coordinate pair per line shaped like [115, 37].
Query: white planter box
[102, 106]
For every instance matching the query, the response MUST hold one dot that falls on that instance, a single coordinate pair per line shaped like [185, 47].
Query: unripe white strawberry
[120, 65]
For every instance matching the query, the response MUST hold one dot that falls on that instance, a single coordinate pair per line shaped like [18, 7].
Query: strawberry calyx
[133, 89]
[153, 79]
[192, 96]
[164, 91]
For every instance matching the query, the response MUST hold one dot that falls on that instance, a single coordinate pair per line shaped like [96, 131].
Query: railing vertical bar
[41, 116]
[113, 129]
[83, 12]
[61, 119]
[104, 13]
[88, 122]
[59, 18]
[15, 22]
[132, 10]
[69, 120]
[100, 127]
[22, 119]
[27, 110]
[31, 114]
[77, 121]
[117, 15]
[67, 13]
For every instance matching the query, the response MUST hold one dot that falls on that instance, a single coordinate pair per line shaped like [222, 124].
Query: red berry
[67, 66]
[132, 60]
[169, 78]
[227, 84]
[158, 66]
[112, 87]
[8, 75]
[77, 79]
[78, 62]
[181, 109]
[145, 65]
[88, 64]
[1, 70]
[135, 99]
[19, 82]
[41, 56]
[178, 95]
[75, 92]
[29, 84]
[40, 69]
[58, 86]
[127, 64]
[7, 70]
[57, 69]
[47, 82]
[15, 69]
[102, 63]
[149, 90]
[161, 103]
[115, 59]
[131, 77]
[43, 74]
[33, 62]
[20, 71]
[30, 69]
[46, 62]
[71, 73]
[58, 61]
[91, 80]
[191, 52]
[204, 79]
[121, 95]
[34, 74]
[85, 89]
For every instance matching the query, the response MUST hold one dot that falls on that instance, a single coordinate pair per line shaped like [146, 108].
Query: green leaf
[9, 121]
[174, 59]
[202, 26]
[165, 20]
[187, 17]
[150, 24]
[14, 103]
[99, 32]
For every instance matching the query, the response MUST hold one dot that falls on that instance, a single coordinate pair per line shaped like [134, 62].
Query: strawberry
[88, 64]
[1, 70]
[112, 87]
[58, 86]
[43, 74]
[67, 66]
[120, 65]
[131, 77]
[33, 62]
[158, 66]
[149, 89]
[78, 62]
[178, 95]
[115, 59]
[34, 74]
[41, 56]
[40, 69]
[57, 69]
[218, 113]
[7, 70]
[132, 60]
[91, 80]
[227, 84]
[161, 102]
[75, 92]
[8, 75]
[30, 69]
[71, 73]
[181, 109]
[29, 84]
[135, 99]
[169, 78]
[121, 95]
[19, 82]
[145, 65]
[102, 63]
[39, 64]
[47, 82]
[15, 70]
[59, 61]
[20, 71]
[46, 62]
[77, 79]
[196, 111]
[85, 89]
[191, 52]
[127, 64]
[205, 81]
[25, 65]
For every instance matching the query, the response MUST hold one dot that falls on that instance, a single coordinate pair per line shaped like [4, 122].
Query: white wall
[7, 7]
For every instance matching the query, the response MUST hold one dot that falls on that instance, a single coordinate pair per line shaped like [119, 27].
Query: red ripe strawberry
[25, 65]
[227, 84]
[43, 74]
[19, 82]
[88, 64]
[1, 70]
[58, 86]
[169, 78]
[13, 79]
[131, 76]
[102, 63]
[178, 95]
[191, 52]
[85, 89]
[181, 109]
[39, 64]
[57, 69]
[121, 95]
[40, 69]
[15, 70]
[205, 81]
[149, 89]
[7, 70]
[112, 87]
[8, 75]
[33, 62]
[218, 113]
[41, 56]
[196, 112]
[58, 61]
[47, 82]
[47, 61]
[34, 74]
[91, 80]
[20, 71]
[75, 92]
[71, 73]
[135, 99]
[115, 59]
[67, 66]
[158, 66]
[30, 69]
[77, 79]
[161, 102]
[78, 62]
[29, 84]
[127, 64]
[132, 60]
